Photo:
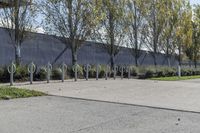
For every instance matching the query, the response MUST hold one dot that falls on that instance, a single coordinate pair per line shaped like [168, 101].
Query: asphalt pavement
[53, 114]
[178, 95]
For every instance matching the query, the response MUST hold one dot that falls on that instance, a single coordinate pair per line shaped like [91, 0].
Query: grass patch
[11, 93]
[175, 78]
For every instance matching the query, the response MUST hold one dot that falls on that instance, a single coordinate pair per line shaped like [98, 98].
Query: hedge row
[151, 71]
[22, 74]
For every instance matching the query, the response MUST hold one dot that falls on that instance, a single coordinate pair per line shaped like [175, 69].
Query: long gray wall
[41, 49]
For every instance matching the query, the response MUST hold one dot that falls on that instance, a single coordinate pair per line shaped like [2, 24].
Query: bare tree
[192, 51]
[156, 22]
[196, 34]
[184, 29]
[18, 20]
[136, 27]
[72, 20]
[111, 31]
[169, 27]
[169, 32]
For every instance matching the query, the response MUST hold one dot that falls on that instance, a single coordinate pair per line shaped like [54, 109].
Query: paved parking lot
[178, 95]
[120, 106]
[52, 114]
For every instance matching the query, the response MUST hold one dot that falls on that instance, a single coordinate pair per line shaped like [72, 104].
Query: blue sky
[195, 2]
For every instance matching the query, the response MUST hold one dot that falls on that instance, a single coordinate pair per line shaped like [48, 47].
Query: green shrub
[160, 72]
[134, 71]
[92, 71]
[6, 76]
[102, 71]
[1, 73]
[80, 72]
[21, 73]
[56, 74]
[147, 72]
[165, 71]
[70, 71]
[144, 72]
[169, 71]
[41, 74]
[141, 70]
[150, 72]
[196, 71]
[186, 71]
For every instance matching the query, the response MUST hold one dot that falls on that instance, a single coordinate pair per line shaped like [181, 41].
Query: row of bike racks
[122, 69]
[63, 69]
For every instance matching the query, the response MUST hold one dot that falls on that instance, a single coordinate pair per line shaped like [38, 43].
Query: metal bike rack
[98, 67]
[63, 69]
[48, 70]
[75, 70]
[86, 69]
[106, 73]
[179, 71]
[11, 69]
[31, 70]
[115, 69]
[128, 70]
[121, 69]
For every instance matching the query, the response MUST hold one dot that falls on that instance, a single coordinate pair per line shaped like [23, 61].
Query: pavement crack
[106, 122]
[96, 125]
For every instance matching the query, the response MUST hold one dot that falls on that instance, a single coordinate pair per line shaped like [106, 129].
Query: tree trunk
[167, 54]
[136, 61]
[74, 53]
[112, 61]
[155, 35]
[18, 55]
[72, 34]
[195, 63]
[17, 32]
[112, 39]
[74, 58]
[195, 53]
[168, 62]
[195, 59]
[154, 59]
[136, 35]
[179, 56]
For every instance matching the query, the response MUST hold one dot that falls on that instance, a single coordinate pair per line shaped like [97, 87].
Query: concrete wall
[41, 49]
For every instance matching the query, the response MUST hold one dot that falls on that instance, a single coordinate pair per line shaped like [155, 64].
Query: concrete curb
[128, 104]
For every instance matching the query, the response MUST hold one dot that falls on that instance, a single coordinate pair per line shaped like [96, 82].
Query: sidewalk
[178, 95]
